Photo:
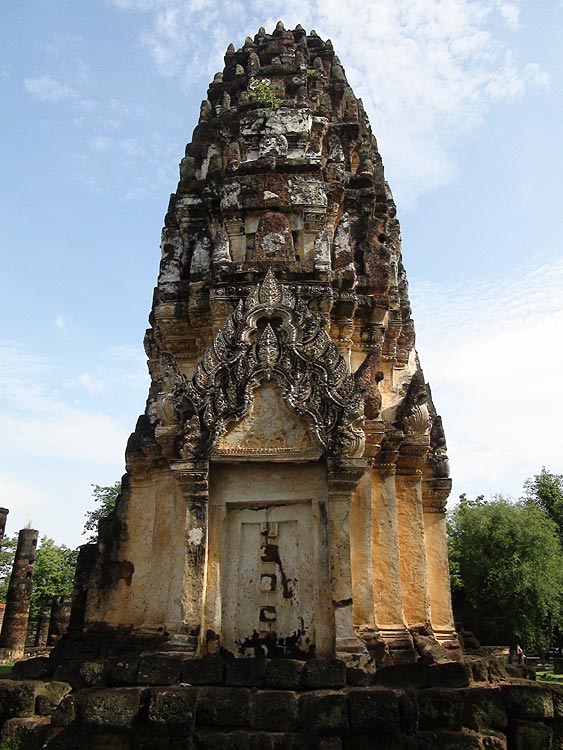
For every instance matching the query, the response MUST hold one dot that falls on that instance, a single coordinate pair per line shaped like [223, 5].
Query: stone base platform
[168, 702]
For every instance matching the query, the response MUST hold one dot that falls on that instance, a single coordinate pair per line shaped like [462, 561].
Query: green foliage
[7, 555]
[261, 91]
[106, 498]
[32, 742]
[546, 491]
[507, 571]
[53, 572]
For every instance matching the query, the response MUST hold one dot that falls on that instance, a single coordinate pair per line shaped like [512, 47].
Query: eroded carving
[271, 335]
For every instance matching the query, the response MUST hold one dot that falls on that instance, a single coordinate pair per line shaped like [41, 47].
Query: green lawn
[549, 677]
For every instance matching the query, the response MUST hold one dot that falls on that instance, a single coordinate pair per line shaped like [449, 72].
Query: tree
[106, 497]
[546, 491]
[507, 571]
[53, 572]
[7, 555]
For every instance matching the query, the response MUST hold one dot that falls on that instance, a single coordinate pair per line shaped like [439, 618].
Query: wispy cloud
[88, 381]
[489, 348]
[60, 321]
[101, 143]
[48, 89]
[37, 419]
[427, 71]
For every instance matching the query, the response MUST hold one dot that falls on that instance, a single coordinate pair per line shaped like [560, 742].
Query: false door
[268, 574]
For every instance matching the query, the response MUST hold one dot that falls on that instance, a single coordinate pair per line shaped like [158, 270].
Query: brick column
[3, 516]
[435, 493]
[191, 481]
[343, 477]
[16, 615]
[42, 627]
[60, 618]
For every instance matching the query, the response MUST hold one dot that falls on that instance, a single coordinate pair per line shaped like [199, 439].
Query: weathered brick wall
[161, 702]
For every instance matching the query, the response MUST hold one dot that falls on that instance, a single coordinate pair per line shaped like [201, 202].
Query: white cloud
[89, 382]
[427, 71]
[490, 351]
[101, 143]
[60, 321]
[15, 494]
[36, 421]
[48, 89]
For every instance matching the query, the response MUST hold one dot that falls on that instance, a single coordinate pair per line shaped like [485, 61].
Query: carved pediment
[270, 429]
[272, 335]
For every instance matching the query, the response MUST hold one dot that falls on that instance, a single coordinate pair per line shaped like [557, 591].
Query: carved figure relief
[273, 238]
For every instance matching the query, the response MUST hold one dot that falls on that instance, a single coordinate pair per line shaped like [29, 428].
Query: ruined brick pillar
[60, 617]
[435, 493]
[85, 565]
[3, 517]
[16, 615]
[42, 627]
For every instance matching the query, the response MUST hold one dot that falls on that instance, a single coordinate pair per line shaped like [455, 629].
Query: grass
[6, 668]
[546, 676]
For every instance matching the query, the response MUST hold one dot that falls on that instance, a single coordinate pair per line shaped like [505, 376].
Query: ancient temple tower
[285, 488]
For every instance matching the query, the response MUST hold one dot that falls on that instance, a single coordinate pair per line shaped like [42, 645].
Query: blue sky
[99, 100]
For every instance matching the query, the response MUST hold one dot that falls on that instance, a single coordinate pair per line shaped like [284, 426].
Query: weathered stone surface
[525, 735]
[94, 673]
[223, 707]
[123, 671]
[19, 734]
[108, 709]
[373, 710]
[452, 674]
[440, 709]
[50, 697]
[245, 672]
[285, 674]
[274, 710]
[66, 712]
[530, 702]
[173, 710]
[324, 673]
[483, 708]
[453, 741]
[210, 671]
[17, 699]
[325, 712]
[159, 670]
[31, 669]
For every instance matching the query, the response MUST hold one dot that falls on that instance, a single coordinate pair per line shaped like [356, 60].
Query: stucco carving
[271, 335]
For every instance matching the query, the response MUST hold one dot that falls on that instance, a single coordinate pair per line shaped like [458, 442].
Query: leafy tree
[7, 555]
[106, 498]
[53, 572]
[507, 571]
[546, 490]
